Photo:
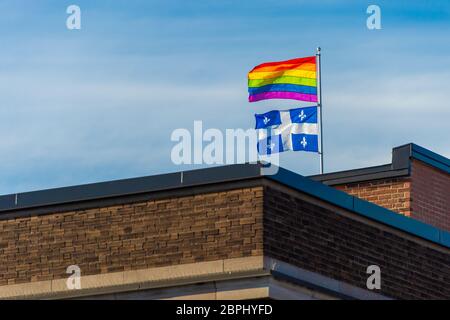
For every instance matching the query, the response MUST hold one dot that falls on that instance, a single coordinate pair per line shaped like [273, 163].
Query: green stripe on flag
[254, 83]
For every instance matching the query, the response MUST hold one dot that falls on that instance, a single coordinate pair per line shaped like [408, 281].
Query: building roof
[69, 198]
[399, 167]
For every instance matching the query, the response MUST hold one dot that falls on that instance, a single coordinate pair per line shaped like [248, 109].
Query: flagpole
[319, 104]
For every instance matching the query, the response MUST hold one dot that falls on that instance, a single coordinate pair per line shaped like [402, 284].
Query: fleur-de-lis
[272, 146]
[302, 115]
[304, 143]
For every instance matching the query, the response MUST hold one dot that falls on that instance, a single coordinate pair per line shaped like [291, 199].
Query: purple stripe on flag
[283, 95]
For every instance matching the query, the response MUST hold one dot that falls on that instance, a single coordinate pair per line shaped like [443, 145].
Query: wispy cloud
[101, 103]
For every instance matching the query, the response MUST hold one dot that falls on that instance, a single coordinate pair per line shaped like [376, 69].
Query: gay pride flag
[291, 79]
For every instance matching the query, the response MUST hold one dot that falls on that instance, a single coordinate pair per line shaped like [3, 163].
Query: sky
[100, 103]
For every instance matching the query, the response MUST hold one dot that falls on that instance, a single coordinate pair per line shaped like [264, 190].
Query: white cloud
[101, 104]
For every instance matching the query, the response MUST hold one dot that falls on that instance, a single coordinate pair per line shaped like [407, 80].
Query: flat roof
[25, 204]
[400, 166]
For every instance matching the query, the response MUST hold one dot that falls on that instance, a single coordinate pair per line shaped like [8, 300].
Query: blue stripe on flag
[283, 87]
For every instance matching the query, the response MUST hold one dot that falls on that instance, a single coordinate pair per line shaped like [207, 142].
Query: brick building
[416, 184]
[234, 233]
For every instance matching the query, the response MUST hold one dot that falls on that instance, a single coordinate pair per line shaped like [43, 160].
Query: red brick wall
[430, 193]
[393, 194]
[203, 227]
[424, 196]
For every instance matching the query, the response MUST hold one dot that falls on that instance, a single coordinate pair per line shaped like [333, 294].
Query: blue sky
[100, 103]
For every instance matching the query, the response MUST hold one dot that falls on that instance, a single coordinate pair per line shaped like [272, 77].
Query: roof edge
[362, 207]
[400, 166]
[127, 187]
[429, 157]
[16, 203]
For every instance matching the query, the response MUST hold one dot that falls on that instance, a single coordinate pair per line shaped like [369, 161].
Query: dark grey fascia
[399, 167]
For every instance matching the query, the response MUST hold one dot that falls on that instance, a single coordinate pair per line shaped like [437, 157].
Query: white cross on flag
[283, 130]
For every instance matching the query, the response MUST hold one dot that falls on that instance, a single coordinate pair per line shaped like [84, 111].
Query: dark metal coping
[429, 157]
[23, 204]
[400, 166]
[127, 187]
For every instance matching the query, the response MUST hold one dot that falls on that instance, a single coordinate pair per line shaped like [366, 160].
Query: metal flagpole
[319, 104]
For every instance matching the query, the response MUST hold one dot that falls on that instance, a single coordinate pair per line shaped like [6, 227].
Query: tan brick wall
[393, 194]
[430, 195]
[245, 222]
[203, 227]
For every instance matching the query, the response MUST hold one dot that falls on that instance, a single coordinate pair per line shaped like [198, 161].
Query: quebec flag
[294, 129]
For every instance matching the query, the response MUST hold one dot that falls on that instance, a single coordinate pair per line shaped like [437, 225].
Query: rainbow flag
[291, 79]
